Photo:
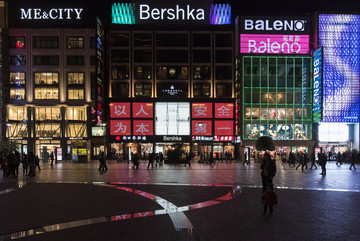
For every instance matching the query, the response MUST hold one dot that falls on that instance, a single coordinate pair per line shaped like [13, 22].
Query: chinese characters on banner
[224, 128]
[224, 110]
[201, 110]
[120, 110]
[143, 110]
[143, 127]
[120, 127]
[201, 127]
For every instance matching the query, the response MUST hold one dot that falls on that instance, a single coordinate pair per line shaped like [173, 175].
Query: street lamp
[200, 125]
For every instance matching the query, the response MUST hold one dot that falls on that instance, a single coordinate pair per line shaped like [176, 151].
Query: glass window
[119, 89]
[48, 130]
[75, 94]
[120, 72]
[120, 56]
[202, 72]
[75, 42]
[17, 93]
[172, 56]
[17, 60]
[46, 93]
[17, 113]
[224, 90]
[47, 113]
[201, 90]
[172, 118]
[143, 89]
[172, 72]
[46, 60]
[143, 56]
[202, 56]
[75, 78]
[46, 78]
[171, 40]
[201, 40]
[119, 40]
[76, 130]
[76, 113]
[17, 42]
[17, 78]
[223, 73]
[143, 72]
[223, 56]
[142, 39]
[223, 40]
[92, 42]
[46, 42]
[17, 86]
[76, 60]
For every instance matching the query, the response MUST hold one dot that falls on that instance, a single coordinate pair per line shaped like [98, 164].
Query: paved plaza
[70, 201]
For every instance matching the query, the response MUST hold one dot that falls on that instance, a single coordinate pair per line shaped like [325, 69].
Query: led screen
[120, 127]
[339, 35]
[201, 128]
[336, 132]
[120, 110]
[143, 110]
[224, 110]
[274, 44]
[201, 110]
[143, 127]
[172, 118]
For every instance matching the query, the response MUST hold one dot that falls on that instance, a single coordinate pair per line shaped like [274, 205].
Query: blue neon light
[220, 14]
[339, 35]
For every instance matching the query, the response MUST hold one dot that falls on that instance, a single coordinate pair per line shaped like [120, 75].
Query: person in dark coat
[268, 172]
[187, 159]
[136, 161]
[151, 160]
[103, 167]
[313, 162]
[353, 159]
[25, 164]
[52, 158]
[31, 164]
[322, 162]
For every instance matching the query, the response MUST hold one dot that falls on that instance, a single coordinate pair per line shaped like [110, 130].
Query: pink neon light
[274, 44]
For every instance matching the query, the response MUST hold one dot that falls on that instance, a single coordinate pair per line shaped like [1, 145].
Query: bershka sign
[274, 25]
[177, 13]
[53, 13]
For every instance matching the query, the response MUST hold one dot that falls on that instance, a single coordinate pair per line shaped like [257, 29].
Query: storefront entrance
[43, 149]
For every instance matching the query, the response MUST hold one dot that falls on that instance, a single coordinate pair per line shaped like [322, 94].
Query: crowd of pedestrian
[10, 164]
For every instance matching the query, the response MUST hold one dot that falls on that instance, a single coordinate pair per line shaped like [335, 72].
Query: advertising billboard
[143, 127]
[202, 128]
[317, 85]
[339, 35]
[224, 110]
[120, 110]
[201, 110]
[224, 128]
[120, 127]
[171, 12]
[274, 35]
[143, 110]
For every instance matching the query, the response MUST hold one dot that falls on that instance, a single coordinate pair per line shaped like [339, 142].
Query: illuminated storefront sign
[223, 138]
[274, 44]
[224, 128]
[224, 110]
[170, 12]
[143, 110]
[201, 128]
[120, 110]
[143, 127]
[201, 110]
[120, 127]
[202, 138]
[339, 35]
[54, 13]
[317, 85]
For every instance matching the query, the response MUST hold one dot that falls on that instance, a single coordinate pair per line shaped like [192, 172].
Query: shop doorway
[44, 148]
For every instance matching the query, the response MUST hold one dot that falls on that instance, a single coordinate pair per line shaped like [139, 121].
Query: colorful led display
[201, 110]
[317, 85]
[224, 110]
[120, 127]
[143, 110]
[123, 13]
[274, 44]
[143, 127]
[339, 35]
[120, 110]
[201, 128]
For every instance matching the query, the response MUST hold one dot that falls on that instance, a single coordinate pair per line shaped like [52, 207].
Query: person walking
[187, 159]
[31, 164]
[37, 163]
[25, 164]
[52, 158]
[151, 161]
[291, 159]
[103, 167]
[268, 172]
[136, 161]
[323, 161]
[269, 198]
[353, 159]
[313, 161]
[338, 159]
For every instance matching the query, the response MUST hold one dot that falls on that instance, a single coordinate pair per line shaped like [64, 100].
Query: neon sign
[317, 85]
[54, 13]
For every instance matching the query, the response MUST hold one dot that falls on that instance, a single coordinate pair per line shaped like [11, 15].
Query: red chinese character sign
[224, 128]
[201, 128]
[143, 127]
[143, 110]
[201, 110]
[120, 110]
[120, 127]
[224, 110]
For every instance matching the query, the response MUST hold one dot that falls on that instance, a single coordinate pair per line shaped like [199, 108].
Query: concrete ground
[172, 202]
